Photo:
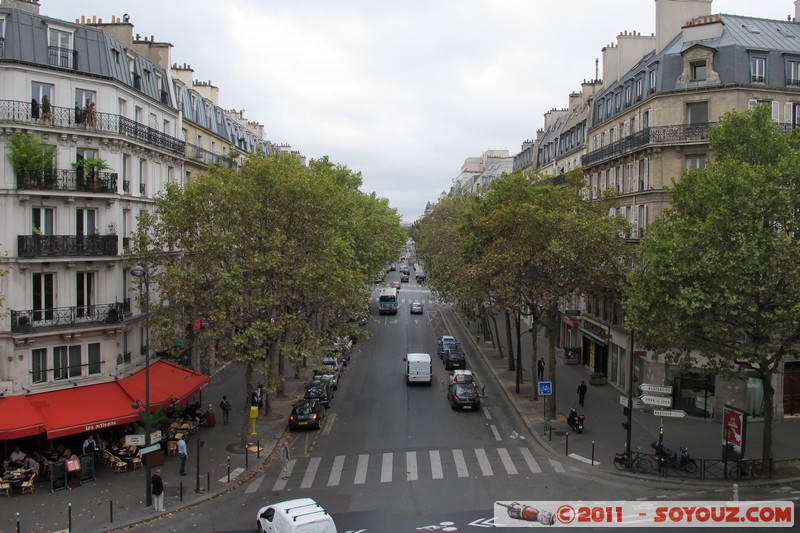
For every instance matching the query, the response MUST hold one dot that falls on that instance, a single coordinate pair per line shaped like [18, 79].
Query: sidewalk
[604, 435]
[116, 500]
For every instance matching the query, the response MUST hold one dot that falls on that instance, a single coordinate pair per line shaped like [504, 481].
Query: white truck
[418, 368]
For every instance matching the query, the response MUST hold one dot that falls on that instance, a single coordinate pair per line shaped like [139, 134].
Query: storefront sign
[734, 429]
[134, 440]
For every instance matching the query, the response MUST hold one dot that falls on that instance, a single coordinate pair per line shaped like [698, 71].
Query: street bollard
[736, 492]
[258, 449]
[229, 469]
[17, 522]
[592, 453]
[208, 481]
[246, 457]
[567, 443]
[69, 526]
[111, 510]
[181, 490]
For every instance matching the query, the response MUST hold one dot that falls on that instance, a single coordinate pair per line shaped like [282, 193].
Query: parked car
[443, 343]
[455, 358]
[307, 414]
[392, 268]
[463, 396]
[326, 375]
[462, 376]
[322, 391]
[335, 365]
[416, 308]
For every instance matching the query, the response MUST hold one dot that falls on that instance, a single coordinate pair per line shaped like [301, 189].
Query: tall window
[83, 98]
[39, 365]
[638, 89]
[43, 220]
[84, 289]
[697, 112]
[93, 352]
[652, 80]
[85, 222]
[793, 73]
[66, 362]
[60, 48]
[43, 296]
[41, 90]
[628, 95]
[758, 69]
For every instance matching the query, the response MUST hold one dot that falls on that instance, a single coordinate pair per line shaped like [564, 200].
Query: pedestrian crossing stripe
[433, 464]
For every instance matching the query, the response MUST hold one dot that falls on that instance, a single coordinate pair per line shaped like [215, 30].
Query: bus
[387, 301]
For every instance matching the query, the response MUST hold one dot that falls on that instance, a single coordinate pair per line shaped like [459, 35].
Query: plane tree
[717, 280]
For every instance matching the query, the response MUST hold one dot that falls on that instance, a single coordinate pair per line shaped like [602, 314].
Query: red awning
[168, 383]
[81, 409]
[18, 418]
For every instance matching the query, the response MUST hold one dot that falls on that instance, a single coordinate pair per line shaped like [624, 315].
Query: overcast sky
[402, 91]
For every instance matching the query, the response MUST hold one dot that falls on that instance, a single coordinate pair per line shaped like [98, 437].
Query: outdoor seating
[27, 485]
[172, 447]
[137, 462]
[119, 465]
[5, 488]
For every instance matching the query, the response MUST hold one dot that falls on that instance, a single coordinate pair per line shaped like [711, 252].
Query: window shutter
[643, 223]
[635, 232]
[645, 174]
[787, 113]
[751, 104]
[776, 111]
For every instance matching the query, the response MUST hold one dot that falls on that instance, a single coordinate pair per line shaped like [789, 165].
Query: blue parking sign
[545, 388]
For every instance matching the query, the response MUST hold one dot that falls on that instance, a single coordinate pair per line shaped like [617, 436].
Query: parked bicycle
[639, 461]
[746, 469]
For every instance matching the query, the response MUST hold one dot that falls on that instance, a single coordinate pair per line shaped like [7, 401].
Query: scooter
[575, 420]
[670, 458]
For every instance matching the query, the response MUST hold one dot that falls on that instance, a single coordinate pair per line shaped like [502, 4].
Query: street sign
[657, 400]
[545, 388]
[646, 387]
[670, 413]
[151, 448]
[637, 403]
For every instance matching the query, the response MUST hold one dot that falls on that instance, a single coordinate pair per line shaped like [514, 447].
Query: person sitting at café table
[31, 465]
[17, 457]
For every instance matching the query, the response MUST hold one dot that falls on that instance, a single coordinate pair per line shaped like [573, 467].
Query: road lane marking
[583, 459]
[507, 462]
[254, 486]
[495, 432]
[311, 472]
[483, 462]
[280, 483]
[386, 468]
[532, 464]
[557, 466]
[336, 471]
[486, 413]
[461, 464]
[436, 465]
[411, 466]
[361, 469]
[330, 419]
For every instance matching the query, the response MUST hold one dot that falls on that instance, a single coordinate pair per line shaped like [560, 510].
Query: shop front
[595, 345]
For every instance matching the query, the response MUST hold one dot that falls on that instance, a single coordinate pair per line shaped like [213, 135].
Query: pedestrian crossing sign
[545, 388]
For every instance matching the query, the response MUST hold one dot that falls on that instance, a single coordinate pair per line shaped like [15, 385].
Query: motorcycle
[575, 420]
[667, 457]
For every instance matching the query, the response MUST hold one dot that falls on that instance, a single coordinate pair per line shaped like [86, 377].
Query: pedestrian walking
[258, 397]
[540, 368]
[581, 392]
[157, 490]
[225, 406]
[285, 461]
[183, 453]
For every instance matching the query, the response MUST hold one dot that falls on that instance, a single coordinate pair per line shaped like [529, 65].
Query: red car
[396, 284]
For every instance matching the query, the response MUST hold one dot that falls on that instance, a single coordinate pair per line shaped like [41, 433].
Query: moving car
[322, 391]
[463, 396]
[302, 515]
[418, 368]
[396, 284]
[307, 414]
[416, 308]
[404, 278]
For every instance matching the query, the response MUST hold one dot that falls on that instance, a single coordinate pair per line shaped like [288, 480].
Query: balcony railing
[66, 316]
[126, 306]
[676, 134]
[70, 180]
[31, 246]
[206, 157]
[15, 112]
[63, 57]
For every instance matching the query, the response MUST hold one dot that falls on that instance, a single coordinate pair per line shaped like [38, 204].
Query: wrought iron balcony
[63, 57]
[31, 319]
[15, 112]
[676, 134]
[31, 246]
[126, 306]
[70, 180]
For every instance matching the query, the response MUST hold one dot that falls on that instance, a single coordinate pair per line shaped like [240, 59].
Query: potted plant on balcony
[47, 110]
[31, 158]
[86, 171]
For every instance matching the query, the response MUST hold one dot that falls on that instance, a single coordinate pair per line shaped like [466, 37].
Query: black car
[307, 414]
[404, 278]
[322, 391]
[463, 396]
[454, 358]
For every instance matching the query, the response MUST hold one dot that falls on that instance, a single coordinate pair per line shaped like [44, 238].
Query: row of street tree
[714, 285]
[273, 259]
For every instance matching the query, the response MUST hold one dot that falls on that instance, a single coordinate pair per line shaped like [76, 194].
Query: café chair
[120, 465]
[27, 486]
[137, 462]
[5, 488]
[172, 447]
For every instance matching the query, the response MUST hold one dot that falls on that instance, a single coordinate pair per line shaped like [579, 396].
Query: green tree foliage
[717, 283]
[276, 257]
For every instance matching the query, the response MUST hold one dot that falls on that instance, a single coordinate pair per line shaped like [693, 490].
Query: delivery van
[303, 515]
[418, 368]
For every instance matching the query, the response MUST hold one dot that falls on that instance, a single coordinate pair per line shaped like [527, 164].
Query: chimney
[796, 10]
[29, 6]
[671, 16]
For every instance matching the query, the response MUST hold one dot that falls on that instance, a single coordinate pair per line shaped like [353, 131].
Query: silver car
[416, 308]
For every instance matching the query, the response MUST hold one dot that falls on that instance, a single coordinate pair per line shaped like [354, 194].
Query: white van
[418, 368]
[303, 515]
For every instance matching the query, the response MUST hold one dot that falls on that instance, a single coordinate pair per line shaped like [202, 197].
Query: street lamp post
[141, 272]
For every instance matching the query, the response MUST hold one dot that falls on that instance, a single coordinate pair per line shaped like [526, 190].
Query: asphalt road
[395, 458]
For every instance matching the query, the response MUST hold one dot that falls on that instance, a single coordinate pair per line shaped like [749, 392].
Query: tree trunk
[550, 331]
[517, 319]
[534, 358]
[496, 336]
[511, 364]
[248, 393]
[769, 416]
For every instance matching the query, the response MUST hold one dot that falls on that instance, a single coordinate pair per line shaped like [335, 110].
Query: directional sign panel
[646, 387]
[151, 448]
[669, 412]
[545, 388]
[656, 400]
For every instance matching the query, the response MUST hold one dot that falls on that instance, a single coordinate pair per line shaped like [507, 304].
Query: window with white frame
[793, 73]
[758, 69]
[43, 296]
[696, 161]
[86, 222]
[39, 365]
[628, 95]
[66, 362]
[84, 290]
[638, 89]
[653, 80]
[43, 219]
[60, 48]
[93, 354]
[42, 98]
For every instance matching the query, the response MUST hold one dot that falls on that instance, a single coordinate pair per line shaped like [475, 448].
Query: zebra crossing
[364, 469]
